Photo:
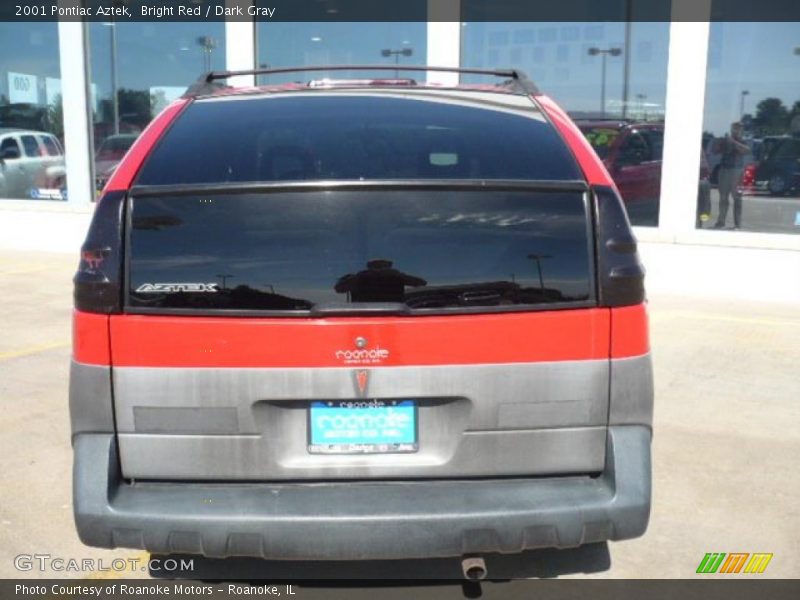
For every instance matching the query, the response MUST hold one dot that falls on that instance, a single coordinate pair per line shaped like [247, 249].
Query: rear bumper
[365, 520]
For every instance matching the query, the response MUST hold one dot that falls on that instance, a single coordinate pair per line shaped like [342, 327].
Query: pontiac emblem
[362, 379]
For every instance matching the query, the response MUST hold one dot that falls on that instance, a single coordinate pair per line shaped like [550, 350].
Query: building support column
[683, 119]
[240, 45]
[77, 117]
[444, 39]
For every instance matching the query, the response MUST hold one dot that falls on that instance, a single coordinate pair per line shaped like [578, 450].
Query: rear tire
[777, 185]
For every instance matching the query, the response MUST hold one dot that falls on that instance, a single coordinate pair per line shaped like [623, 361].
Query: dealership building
[655, 98]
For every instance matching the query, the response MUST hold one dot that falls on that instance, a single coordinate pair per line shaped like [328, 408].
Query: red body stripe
[593, 168]
[163, 341]
[629, 331]
[90, 342]
[126, 172]
[237, 342]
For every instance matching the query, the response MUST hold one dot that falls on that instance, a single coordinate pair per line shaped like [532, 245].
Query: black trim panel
[98, 281]
[620, 274]
[305, 314]
[363, 520]
[345, 185]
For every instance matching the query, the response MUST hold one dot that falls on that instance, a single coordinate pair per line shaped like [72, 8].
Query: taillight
[620, 275]
[749, 175]
[98, 282]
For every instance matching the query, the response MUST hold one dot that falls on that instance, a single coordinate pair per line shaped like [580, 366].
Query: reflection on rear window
[291, 251]
[360, 136]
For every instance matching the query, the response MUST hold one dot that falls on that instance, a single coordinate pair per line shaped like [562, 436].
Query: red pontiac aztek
[407, 315]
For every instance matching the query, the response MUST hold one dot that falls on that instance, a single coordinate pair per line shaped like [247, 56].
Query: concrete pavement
[727, 433]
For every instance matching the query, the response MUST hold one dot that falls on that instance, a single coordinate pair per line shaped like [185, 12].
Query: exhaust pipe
[474, 568]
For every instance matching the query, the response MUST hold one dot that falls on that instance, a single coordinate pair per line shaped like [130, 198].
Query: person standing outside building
[732, 150]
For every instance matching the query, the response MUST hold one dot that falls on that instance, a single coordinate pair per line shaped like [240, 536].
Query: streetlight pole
[604, 52]
[386, 52]
[224, 277]
[114, 82]
[207, 45]
[741, 102]
[642, 108]
[626, 69]
[538, 258]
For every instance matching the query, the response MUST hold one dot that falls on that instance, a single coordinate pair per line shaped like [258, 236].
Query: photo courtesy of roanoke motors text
[434, 299]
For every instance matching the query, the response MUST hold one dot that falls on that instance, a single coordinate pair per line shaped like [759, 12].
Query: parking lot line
[32, 350]
[25, 271]
[668, 314]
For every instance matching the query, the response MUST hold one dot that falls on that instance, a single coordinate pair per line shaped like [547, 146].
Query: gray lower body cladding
[473, 421]
[251, 424]
[363, 520]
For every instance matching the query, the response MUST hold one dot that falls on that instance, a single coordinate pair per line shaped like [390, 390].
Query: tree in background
[772, 118]
[134, 109]
[158, 101]
[55, 117]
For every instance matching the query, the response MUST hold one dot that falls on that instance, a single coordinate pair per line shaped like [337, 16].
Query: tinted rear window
[293, 250]
[360, 136]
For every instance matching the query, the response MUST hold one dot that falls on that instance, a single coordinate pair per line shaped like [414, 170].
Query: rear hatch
[350, 284]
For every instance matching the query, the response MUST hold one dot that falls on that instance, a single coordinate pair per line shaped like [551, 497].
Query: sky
[756, 57]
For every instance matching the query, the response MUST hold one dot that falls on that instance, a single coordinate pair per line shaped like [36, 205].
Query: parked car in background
[31, 165]
[779, 172]
[763, 147]
[108, 155]
[632, 153]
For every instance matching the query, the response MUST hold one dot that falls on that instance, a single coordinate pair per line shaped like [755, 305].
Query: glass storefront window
[582, 66]
[340, 43]
[31, 120]
[136, 70]
[751, 128]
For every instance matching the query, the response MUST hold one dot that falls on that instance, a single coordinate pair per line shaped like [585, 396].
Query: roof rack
[516, 79]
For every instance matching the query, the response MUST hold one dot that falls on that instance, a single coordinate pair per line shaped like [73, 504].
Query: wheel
[777, 185]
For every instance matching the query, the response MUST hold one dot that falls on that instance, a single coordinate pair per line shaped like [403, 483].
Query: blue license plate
[362, 427]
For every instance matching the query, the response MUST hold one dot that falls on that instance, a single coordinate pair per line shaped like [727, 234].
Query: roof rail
[516, 79]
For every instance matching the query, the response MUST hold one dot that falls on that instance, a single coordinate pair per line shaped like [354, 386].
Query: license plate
[362, 427]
